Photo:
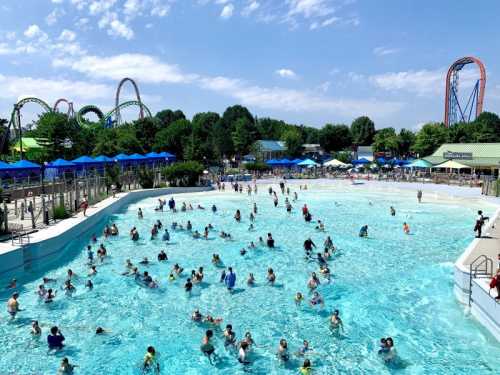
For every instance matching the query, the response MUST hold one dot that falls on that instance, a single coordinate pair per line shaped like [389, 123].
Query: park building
[481, 158]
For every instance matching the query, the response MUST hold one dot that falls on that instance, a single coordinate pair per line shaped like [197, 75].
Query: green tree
[489, 127]
[145, 130]
[406, 139]
[167, 117]
[335, 137]
[429, 138]
[385, 140]
[243, 136]
[126, 140]
[362, 131]
[200, 145]
[56, 133]
[269, 128]
[293, 142]
[4, 133]
[174, 139]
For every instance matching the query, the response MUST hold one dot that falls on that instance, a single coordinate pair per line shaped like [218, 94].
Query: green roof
[483, 154]
[271, 146]
[28, 143]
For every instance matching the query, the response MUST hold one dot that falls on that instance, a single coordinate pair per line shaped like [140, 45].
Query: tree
[429, 138]
[167, 117]
[145, 130]
[55, 132]
[362, 131]
[243, 135]
[293, 142]
[223, 130]
[126, 140]
[406, 139]
[175, 138]
[335, 137]
[489, 127]
[269, 128]
[200, 146]
[4, 133]
[385, 140]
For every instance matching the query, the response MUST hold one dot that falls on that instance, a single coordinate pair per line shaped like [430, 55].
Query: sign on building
[457, 155]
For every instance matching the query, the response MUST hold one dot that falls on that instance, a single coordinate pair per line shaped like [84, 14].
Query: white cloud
[421, 82]
[227, 11]
[80, 4]
[251, 7]
[131, 7]
[325, 86]
[67, 35]
[53, 16]
[160, 10]
[33, 31]
[309, 8]
[286, 73]
[114, 26]
[144, 68]
[101, 6]
[57, 1]
[15, 87]
[383, 51]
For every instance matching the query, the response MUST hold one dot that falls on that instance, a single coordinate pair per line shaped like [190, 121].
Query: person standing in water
[230, 279]
[419, 196]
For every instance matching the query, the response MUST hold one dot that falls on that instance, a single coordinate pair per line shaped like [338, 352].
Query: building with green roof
[484, 157]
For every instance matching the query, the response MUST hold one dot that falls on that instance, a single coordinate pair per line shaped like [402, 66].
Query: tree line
[209, 137]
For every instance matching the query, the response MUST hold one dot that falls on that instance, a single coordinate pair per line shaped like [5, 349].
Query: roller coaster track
[15, 119]
[107, 118]
[71, 111]
[118, 117]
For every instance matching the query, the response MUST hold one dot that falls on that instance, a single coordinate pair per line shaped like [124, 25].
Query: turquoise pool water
[389, 284]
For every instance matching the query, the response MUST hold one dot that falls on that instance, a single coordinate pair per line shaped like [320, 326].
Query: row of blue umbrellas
[87, 161]
[284, 162]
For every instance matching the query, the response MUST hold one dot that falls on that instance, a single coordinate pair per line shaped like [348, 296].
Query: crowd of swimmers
[47, 291]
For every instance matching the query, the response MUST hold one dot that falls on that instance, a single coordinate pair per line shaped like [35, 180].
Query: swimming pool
[388, 284]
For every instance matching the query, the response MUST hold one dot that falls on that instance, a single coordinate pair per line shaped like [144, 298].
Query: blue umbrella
[153, 156]
[103, 159]
[61, 164]
[167, 155]
[307, 163]
[5, 166]
[272, 162]
[85, 161]
[381, 160]
[285, 162]
[296, 161]
[361, 161]
[137, 158]
[24, 165]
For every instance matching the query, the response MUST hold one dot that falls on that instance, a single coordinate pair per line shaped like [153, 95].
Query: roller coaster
[106, 119]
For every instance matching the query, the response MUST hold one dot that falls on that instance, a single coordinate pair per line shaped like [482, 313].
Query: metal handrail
[474, 271]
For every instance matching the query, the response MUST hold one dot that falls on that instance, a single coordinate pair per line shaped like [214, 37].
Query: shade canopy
[334, 163]
[307, 163]
[103, 159]
[153, 156]
[61, 164]
[420, 163]
[272, 162]
[5, 166]
[452, 164]
[24, 165]
[84, 161]
[381, 160]
[296, 161]
[361, 161]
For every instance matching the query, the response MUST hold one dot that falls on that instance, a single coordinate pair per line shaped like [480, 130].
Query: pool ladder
[481, 267]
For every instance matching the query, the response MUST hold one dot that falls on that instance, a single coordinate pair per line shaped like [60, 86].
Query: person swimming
[242, 353]
[282, 353]
[317, 300]
[214, 208]
[162, 256]
[393, 211]
[336, 322]
[206, 346]
[270, 241]
[271, 276]
[166, 236]
[306, 368]
[35, 328]
[139, 213]
[406, 228]
[250, 280]
[298, 298]
[196, 316]
[150, 361]
[229, 336]
[363, 232]
[237, 216]
[313, 282]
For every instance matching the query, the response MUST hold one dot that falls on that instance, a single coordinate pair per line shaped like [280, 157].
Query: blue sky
[303, 61]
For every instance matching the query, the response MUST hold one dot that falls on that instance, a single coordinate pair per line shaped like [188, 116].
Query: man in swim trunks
[206, 346]
[13, 305]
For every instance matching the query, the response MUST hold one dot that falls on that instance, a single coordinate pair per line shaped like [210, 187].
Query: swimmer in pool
[282, 353]
[206, 346]
[298, 298]
[306, 368]
[35, 328]
[304, 349]
[406, 228]
[216, 261]
[336, 322]
[363, 232]
[196, 316]
[13, 305]
[150, 361]
[229, 336]
[393, 211]
[251, 280]
[139, 213]
[317, 300]
[271, 276]
[313, 282]
[162, 256]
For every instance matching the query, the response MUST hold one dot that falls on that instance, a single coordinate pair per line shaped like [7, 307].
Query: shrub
[257, 167]
[60, 213]
[112, 175]
[146, 178]
[183, 174]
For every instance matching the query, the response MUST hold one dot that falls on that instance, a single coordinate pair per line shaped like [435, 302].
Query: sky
[304, 61]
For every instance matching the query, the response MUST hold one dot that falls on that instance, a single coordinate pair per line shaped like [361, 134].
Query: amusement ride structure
[106, 119]
[455, 112]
